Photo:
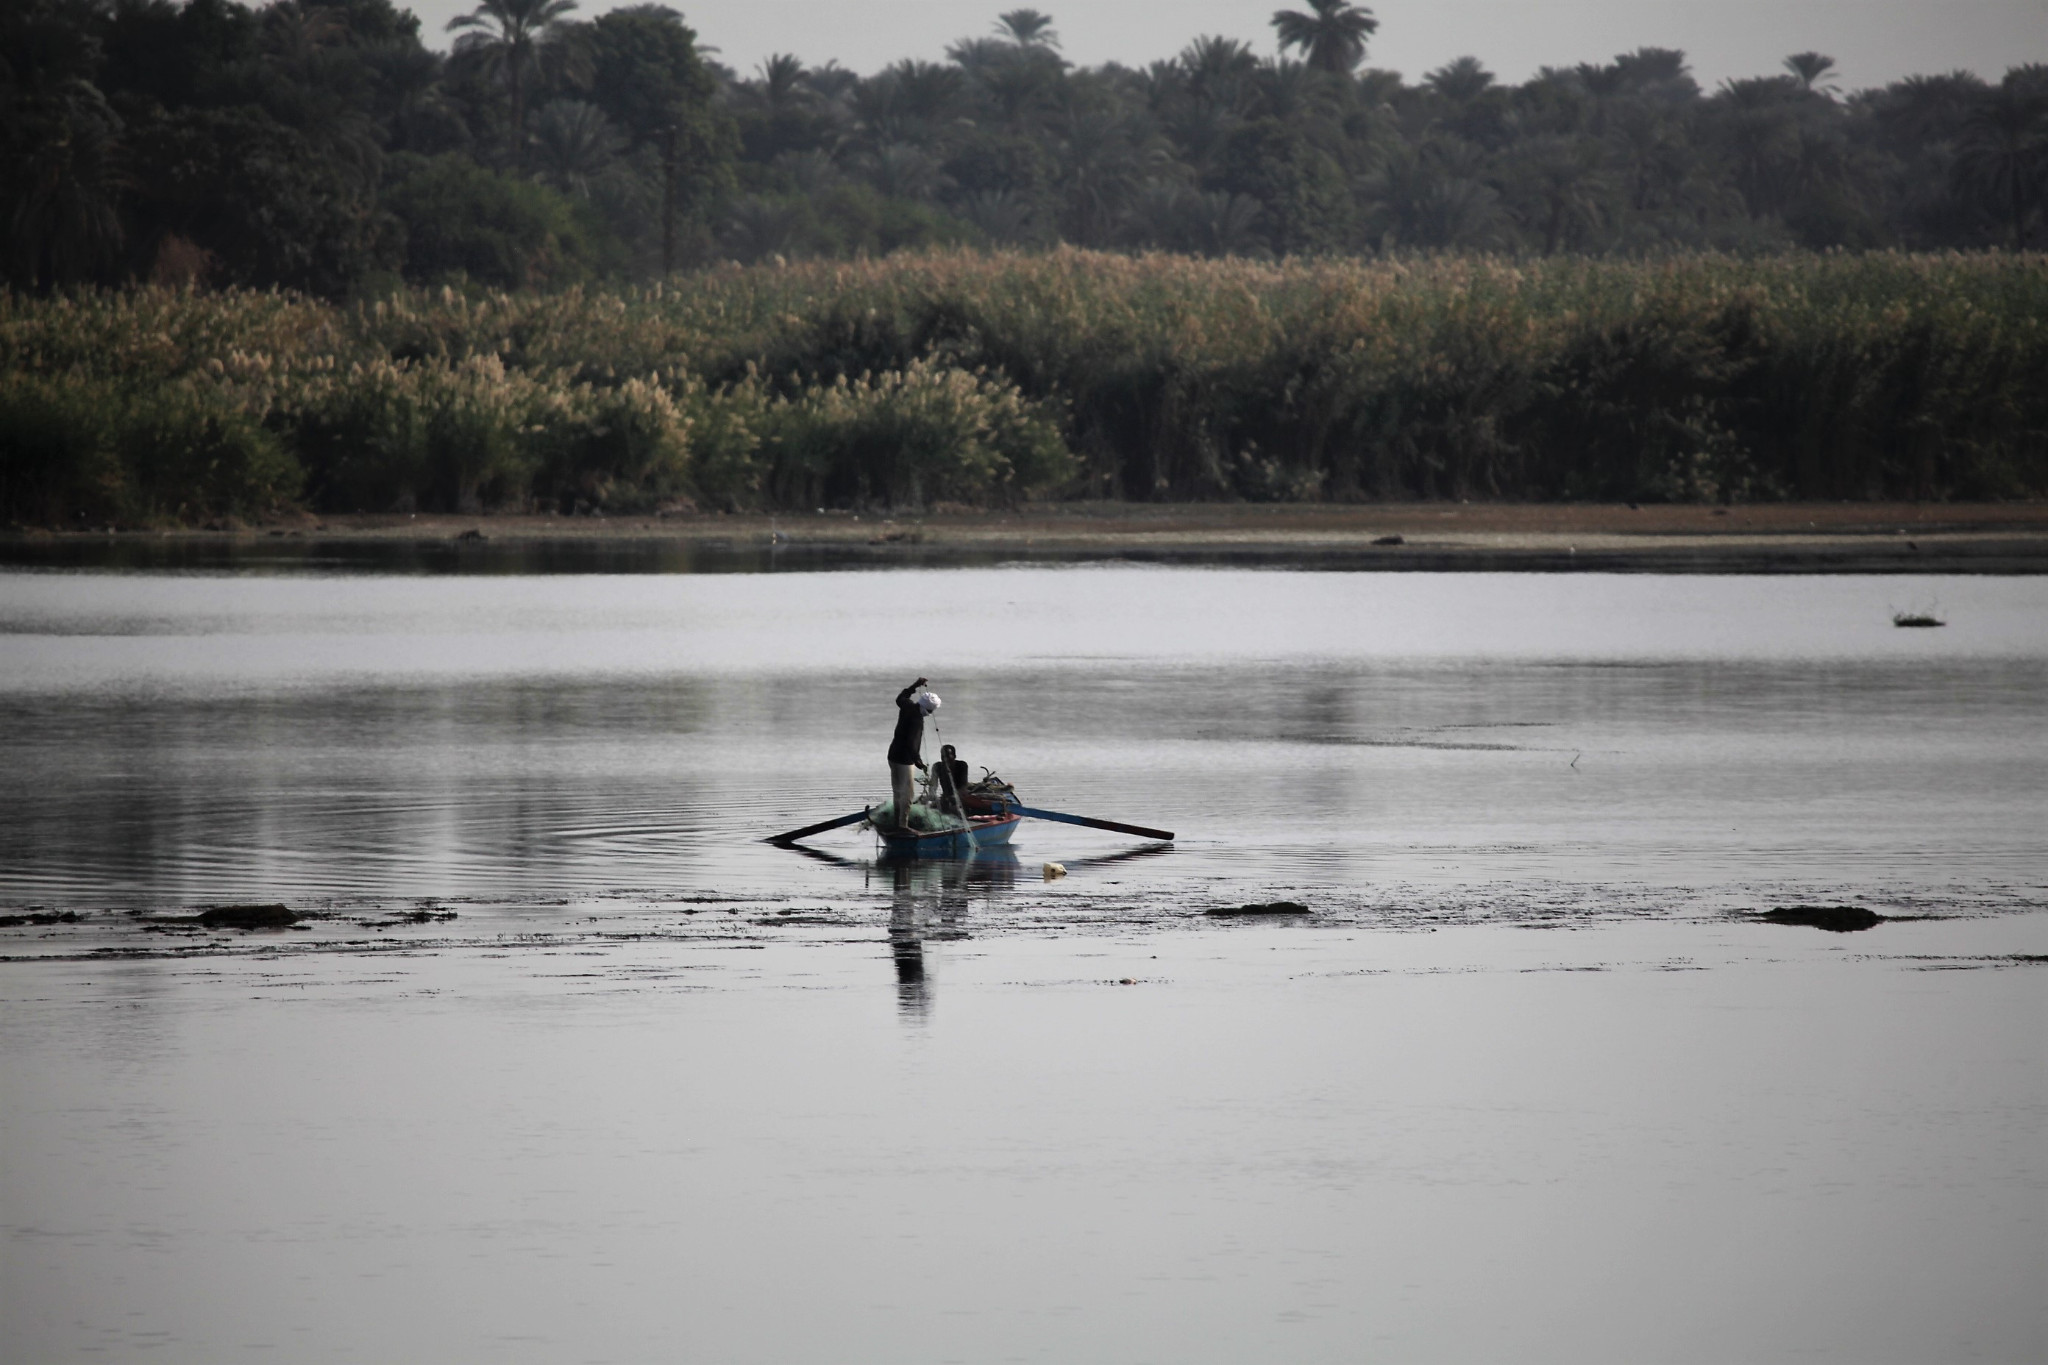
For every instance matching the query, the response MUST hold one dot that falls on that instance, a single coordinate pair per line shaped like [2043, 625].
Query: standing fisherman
[912, 706]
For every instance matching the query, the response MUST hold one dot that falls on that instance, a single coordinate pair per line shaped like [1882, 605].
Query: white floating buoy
[1054, 870]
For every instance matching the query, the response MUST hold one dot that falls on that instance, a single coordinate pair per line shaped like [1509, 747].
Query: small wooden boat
[992, 813]
[984, 832]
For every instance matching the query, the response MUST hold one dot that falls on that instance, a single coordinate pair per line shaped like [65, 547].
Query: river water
[1529, 1081]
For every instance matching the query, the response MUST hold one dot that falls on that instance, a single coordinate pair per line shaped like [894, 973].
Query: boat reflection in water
[929, 900]
[928, 903]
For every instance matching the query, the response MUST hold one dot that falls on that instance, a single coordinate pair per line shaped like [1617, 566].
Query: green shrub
[79, 450]
[619, 449]
[432, 434]
[465, 222]
[966, 377]
[909, 438]
[57, 462]
[186, 456]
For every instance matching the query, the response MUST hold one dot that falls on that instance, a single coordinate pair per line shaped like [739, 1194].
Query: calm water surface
[183, 740]
[661, 1091]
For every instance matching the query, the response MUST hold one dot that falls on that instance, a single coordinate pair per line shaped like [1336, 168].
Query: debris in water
[407, 917]
[248, 916]
[45, 917]
[1836, 919]
[1916, 619]
[1390, 540]
[1269, 908]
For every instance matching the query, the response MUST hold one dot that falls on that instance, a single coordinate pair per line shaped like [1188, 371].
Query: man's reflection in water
[929, 904]
[906, 945]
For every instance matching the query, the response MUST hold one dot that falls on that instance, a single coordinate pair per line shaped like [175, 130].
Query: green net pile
[924, 819]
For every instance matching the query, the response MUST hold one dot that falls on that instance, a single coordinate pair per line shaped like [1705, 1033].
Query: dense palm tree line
[320, 144]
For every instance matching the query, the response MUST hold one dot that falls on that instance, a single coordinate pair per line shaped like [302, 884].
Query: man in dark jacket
[913, 704]
[955, 766]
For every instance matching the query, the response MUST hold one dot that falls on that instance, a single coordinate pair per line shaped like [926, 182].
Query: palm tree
[410, 100]
[1006, 216]
[1223, 223]
[1461, 81]
[1559, 183]
[811, 172]
[1294, 92]
[1421, 200]
[761, 227]
[1217, 70]
[1157, 214]
[575, 143]
[781, 87]
[1020, 91]
[1660, 69]
[903, 171]
[295, 33]
[1027, 28]
[67, 187]
[507, 36]
[831, 81]
[1812, 71]
[1759, 128]
[1332, 36]
[1101, 164]
[2004, 152]
[925, 90]
[1655, 155]
[1200, 130]
[1170, 216]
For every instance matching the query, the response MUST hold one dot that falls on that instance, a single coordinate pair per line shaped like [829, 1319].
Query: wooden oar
[1066, 819]
[808, 830]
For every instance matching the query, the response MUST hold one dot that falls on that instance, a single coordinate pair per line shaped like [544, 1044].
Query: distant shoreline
[1999, 538]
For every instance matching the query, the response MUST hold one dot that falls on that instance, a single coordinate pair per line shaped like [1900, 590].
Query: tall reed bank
[984, 379]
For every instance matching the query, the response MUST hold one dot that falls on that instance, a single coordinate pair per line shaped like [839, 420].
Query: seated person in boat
[913, 704]
[955, 767]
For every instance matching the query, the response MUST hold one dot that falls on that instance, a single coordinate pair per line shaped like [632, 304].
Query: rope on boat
[929, 780]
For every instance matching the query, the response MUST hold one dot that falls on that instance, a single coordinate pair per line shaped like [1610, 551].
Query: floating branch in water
[1916, 618]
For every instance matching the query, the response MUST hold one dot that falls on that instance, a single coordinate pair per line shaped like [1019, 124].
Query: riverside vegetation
[987, 378]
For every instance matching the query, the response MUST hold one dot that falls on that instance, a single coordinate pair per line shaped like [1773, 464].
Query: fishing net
[924, 819]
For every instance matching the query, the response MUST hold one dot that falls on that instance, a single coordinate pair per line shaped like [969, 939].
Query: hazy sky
[1873, 41]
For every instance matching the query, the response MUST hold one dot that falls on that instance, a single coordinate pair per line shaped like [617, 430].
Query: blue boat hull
[992, 831]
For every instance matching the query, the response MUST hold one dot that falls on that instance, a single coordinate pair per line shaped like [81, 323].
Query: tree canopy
[318, 144]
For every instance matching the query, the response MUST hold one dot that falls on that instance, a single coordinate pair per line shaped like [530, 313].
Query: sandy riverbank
[1781, 537]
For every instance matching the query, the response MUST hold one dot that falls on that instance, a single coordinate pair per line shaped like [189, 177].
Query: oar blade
[1119, 826]
[808, 830]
